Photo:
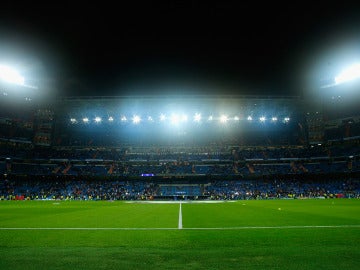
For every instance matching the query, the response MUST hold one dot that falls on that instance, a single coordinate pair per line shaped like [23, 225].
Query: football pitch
[253, 234]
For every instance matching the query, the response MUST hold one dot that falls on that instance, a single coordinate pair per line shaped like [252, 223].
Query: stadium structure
[179, 147]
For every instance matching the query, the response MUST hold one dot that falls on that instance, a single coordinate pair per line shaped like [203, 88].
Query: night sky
[176, 47]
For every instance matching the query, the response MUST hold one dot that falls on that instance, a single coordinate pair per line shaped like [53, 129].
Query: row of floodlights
[178, 119]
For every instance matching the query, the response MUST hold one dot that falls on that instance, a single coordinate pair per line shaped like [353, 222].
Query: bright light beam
[223, 118]
[174, 119]
[162, 117]
[10, 75]
[349, 74]
[136, 119]
[197, 117]
[123, 118]
[286, 119]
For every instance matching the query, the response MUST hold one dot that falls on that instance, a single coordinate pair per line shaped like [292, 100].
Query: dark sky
[174, 47]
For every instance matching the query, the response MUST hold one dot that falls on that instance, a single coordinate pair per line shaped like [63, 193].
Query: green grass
[230, 235]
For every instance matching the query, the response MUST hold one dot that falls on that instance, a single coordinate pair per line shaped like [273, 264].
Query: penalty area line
[203, 228]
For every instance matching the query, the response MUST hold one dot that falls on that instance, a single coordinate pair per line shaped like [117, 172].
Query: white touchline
[278, 227]
[187, 228]
[87, 229]
[180, 218]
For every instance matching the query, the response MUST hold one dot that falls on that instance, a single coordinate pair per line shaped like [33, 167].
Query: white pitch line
[204, 228]
[175, 202]
[180, 226]
[90, 229]
[276, 227]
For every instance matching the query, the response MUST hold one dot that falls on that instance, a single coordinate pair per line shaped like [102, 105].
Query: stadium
[187, 147]
[179, 135]
[180, 180]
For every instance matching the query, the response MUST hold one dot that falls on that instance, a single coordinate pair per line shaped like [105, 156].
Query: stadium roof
[183, 97]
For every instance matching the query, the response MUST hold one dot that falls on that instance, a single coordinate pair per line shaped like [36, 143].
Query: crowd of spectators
[283, 189]
[122, 173]
[76, 189]
[174, 168]
[19, 159]
[13, 149]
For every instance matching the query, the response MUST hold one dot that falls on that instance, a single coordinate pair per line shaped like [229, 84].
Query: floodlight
[136, 119]
[123, 118]
[351, 73]
[150, 119]
[197, 117]
[73, 120]
[86, 120]
[262, 119]
[174, 119]
[223, 118]
[162, 117]
[249, 118]
[97, 119]
[111, 119]
[210, 118]
[236, 118]
[286, 119]
[10, 75]
[274, 119]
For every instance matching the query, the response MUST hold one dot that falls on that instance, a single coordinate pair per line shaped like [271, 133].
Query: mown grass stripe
[203, 228]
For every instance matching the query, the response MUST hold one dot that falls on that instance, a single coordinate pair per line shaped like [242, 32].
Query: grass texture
[273, 234]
